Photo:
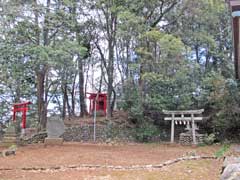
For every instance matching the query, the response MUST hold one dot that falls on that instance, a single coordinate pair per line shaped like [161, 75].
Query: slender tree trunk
[73, 95]
[64, 105]
[113, 101]
[40, 96]
[41, 74]
[81, 88]
[207, 61]
[79, 39]
[197, 54]
[87, 78]
[68, 106]
[40, 79]
[18, 93]
[128, 60]
[110, 78]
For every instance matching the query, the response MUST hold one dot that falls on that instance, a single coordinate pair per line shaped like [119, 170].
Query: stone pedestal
[10, 137]
[187, 138]
[53, 141]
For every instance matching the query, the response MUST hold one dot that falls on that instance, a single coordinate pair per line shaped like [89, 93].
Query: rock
[231, 172]
[8, 152]
[230, 160]
[36, 138]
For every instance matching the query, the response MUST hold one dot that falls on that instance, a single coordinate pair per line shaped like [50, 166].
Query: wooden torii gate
[186, 118]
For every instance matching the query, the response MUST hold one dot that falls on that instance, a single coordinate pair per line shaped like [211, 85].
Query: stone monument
[55, 128]
[10, 137]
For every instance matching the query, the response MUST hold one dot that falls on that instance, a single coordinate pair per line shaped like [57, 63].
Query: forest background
[147, 55]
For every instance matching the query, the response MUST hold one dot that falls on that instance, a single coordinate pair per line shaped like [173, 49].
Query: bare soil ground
[39, 156]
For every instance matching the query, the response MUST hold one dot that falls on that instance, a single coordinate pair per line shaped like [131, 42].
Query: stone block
[187, 139]
[53, 141]
[55, 127]
[8, 152]
[231, 172]
[231, 160]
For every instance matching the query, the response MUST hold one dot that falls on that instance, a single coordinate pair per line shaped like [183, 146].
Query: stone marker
[55, 128]
[10, 137]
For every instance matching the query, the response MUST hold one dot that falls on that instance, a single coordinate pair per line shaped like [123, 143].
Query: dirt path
[126, 155]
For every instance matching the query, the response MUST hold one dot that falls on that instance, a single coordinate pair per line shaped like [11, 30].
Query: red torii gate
[23, 108]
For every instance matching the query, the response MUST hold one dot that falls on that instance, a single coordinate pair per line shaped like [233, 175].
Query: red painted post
[24, 119]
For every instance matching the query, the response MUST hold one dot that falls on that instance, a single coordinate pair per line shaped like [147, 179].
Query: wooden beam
[234, 3]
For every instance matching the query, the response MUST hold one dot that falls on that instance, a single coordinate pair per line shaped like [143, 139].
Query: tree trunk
[197, 54]
[17, 97]
[73, 96]
[81, 88]
[113, 101]
[128, 60]
[41, 75]
[64, 107]
[42, 118]
[110, 78]
[66, 104]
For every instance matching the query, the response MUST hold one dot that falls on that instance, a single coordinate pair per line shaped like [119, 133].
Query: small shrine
[100, 101]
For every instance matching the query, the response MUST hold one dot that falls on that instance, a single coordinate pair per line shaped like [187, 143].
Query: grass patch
[220, 153]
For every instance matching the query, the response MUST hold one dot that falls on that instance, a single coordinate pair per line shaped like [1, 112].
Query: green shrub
[209, 139]
[146, 131]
